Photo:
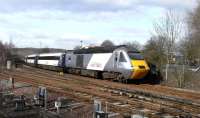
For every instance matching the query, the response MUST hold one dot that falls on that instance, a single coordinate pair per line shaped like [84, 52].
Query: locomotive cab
[130, 63]
[139, 65]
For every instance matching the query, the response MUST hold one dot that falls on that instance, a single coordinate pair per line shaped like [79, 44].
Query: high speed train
[116, 63]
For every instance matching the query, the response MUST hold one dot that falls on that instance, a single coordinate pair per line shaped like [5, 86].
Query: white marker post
[58, 105]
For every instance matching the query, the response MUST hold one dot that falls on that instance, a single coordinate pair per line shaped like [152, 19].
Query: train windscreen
[136, 56]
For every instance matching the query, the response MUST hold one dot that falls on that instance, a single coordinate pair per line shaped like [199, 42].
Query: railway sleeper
[169, 103]
[164, 97]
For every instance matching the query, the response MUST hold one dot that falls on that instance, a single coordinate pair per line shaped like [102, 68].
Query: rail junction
[149, 100]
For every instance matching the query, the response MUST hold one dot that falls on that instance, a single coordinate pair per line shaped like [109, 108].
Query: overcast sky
[64, 23]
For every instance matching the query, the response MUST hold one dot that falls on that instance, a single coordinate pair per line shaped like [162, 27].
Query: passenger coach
[52, 61]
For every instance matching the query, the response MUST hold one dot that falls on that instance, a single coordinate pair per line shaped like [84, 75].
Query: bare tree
[5, 52]
[192, 44]
[154, 51]
[169, 27]
[9, 49]
[2, 54]
[77, 47]
[45, 50]
[107, 43]
[133, 44]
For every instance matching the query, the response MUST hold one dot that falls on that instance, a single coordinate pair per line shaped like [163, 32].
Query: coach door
[62, 60]
[116, 60]
[36, 60]
[79, 61]
[70, 60]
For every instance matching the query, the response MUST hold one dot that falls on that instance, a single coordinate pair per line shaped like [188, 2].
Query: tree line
[172, 35]
[175, 40]
[5, 52]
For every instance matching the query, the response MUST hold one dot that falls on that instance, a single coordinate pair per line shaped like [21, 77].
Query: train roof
[101, 49]
[33, 55]
[50, 54]
[45, 54]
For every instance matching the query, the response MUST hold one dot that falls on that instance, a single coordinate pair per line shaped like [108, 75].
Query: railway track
[67, 91]
[92, 88]
[131, 91]
[158, 89]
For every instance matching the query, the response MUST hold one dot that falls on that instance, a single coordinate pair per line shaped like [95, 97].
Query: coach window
[121, 57]
[116, 57]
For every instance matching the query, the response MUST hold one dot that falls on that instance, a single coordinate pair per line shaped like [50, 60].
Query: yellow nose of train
[140, 69]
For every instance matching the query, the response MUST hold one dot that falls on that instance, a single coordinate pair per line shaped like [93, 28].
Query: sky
[64, 23]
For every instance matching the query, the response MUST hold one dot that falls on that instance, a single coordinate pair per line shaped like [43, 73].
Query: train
[119, 63]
